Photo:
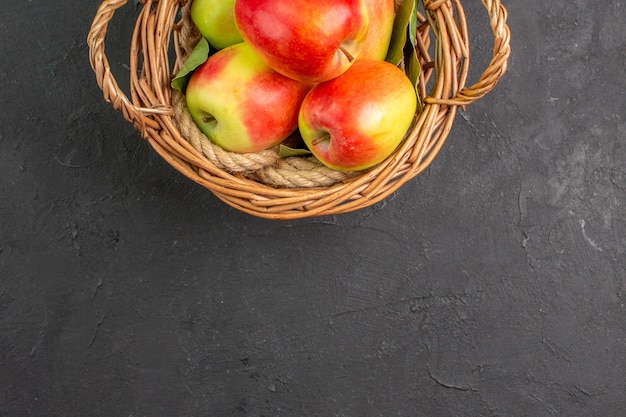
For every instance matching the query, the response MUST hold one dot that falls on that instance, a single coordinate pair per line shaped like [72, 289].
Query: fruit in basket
[381, 17]
[240, 103]
[215, 20]
[358, 119]
[308, 40]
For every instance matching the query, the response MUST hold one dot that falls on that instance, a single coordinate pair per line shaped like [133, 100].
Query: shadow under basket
[263, 184]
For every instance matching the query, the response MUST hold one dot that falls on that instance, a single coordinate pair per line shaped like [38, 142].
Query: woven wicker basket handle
[498, 64]
[111, 90]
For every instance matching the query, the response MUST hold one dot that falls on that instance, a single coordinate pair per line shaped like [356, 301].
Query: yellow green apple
[216, 22]
[308, 40]
[240, 103]
[381, 17]
[358, 119]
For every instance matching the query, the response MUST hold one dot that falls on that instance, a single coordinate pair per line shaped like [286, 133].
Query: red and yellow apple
[215, 19]
[308, 40]
[240, 103]
[358, 119]
[381, 17]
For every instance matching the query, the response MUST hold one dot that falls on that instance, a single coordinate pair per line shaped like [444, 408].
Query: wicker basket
[263, 184]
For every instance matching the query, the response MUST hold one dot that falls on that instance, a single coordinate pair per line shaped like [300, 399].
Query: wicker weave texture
[263, 184]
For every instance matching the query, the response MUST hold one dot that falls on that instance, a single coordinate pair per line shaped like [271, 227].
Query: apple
[215, 19]
[240, 103]
[307, 40]
[358, 119]
[381, 17]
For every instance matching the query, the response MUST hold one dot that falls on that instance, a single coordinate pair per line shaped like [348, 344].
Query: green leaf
[399, 34]
[413, 25]
[197, 57]
[402, 48]
[413, 70]
[412, 65]
[286, 152]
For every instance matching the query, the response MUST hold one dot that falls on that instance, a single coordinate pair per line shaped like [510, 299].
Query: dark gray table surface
[493, 284]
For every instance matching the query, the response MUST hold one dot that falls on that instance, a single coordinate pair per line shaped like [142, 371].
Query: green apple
[240, 103]
[308, 40]
[216, 22]
[358, 119]
[381, 15]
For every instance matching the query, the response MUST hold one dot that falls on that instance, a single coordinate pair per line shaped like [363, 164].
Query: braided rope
[300, 172]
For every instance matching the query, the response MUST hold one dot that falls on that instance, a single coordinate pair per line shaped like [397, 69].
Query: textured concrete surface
[491, 285]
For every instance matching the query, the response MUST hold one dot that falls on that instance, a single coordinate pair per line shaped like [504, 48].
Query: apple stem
[346, 53]
[324, 137]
